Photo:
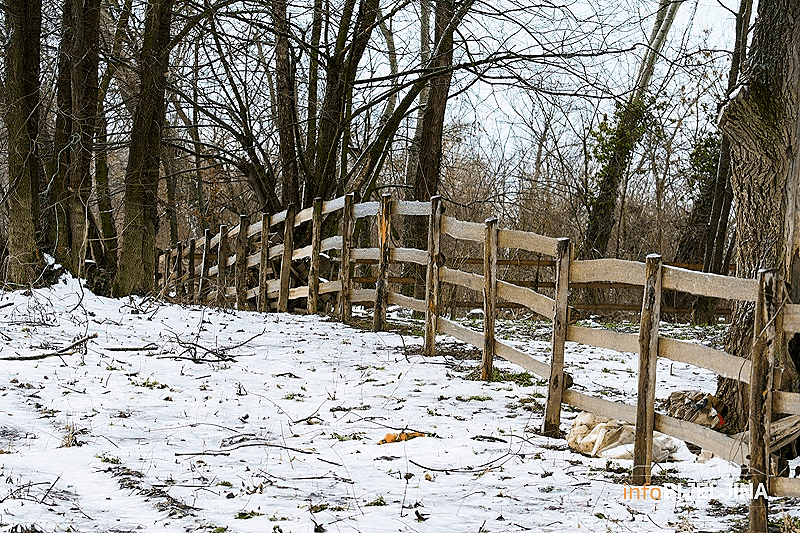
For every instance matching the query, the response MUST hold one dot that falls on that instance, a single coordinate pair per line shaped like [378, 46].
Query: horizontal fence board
[253, 229]
[465, 279]
[214, 241]
[365, 253]
[233, 232]
[712, 285]
[252, 293]
[301, 253]
[277, 218]
[330, 286]
[448, 327]
[331, 243]
[329, 206]
[522, 295]
[614, 270]
[604, 338]
[254, 260]
[275, 251]
[304, 215]
[298, 292]
[366, 209]
[791, 318]
[409, 255]
[532, 242]
[518, 357]
[230, 291]
[213, 271]
[412, 208]
[362, 295]
[406, 302]
[273, 285]
[785, 402]
[468, 231]
[719, 444]
[231, 260]
[787, 487]
[600, 406]
[717, 361]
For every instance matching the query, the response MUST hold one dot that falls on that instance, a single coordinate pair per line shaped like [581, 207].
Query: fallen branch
[151, 346]
[227, 451]
[57, 353]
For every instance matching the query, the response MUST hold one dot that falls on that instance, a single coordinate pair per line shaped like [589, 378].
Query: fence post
[489, 296]
[201, 286]
[555, 390]
[222, 265]
[648, 362]
[286, 261]
[179, 286]
[345, 307]
[192, 272]
[242, 242]
[263, 300]
[167, 270]
[432, 274]
[156, 275]
[381, 286]
[762, 361]
[312, 303]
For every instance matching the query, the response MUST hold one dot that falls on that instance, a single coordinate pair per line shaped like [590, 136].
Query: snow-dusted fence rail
[253, 265]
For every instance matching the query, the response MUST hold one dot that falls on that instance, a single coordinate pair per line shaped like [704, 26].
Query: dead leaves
[402, 436]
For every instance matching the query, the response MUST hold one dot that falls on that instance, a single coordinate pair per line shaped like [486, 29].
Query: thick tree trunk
[762, 121]
[137, 258]
[24, 23]
[286, 115]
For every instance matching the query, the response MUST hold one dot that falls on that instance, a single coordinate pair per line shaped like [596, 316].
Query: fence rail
[253, 265]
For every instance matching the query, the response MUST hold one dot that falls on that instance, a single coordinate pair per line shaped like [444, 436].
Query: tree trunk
[286, 105]
[762, 121]
[137, 258]
[24, 28]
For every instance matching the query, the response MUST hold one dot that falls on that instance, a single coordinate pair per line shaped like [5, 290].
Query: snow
[218, 420]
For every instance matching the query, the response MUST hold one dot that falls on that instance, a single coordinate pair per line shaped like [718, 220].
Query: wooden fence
[251, 265]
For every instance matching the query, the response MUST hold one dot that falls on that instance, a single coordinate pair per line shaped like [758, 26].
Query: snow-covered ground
[191, 419]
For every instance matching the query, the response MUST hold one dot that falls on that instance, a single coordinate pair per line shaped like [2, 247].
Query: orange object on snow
[398, 437]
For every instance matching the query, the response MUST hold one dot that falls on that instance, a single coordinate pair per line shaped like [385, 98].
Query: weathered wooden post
[381, 285]
[240, 271]
[345, 305]
[489, 296]
[432, 275]
[192, 272]
[222, 265]
[648, 362]
[286, 261]
[555, 390]
[167, 271]
[761, 372]
[312, 303]
[179, 286]
[263, 299]
[204, 266]
[156, 275]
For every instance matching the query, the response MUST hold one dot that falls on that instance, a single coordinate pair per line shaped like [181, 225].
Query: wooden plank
[432, 275]
[222, 265]
[719, 362]
[255, 228]
[406, 302]
[304, 216]
[329, 206]
[202, 284]
[365, 209]
[362, 295]
[373, 254]
[534, 301]
[232, 232]
[242, 245]
[330, 286]
[465, 279]
[614, 270]
[518, 357]
[192, 272]
[600, 407]
[604, 338]
[298, 292]
[331, 243]
[263, 300]
[252, 293]
[448, 327]
[381, 285]
[786, 487]
[560, 316]
[345, 302]
[785, 402]
[489, 296]
[409, 255]
[273, 286]
[275, 251]
[312, 305]
[412, 208]
[468, 231]
[524, 240]
[302, 253]
[214, 241]
[254, 260]
[179, 289]
[277, 218]
[648, 363]
[286, 259]
[712, 285]
[791, 318]
[714, 441]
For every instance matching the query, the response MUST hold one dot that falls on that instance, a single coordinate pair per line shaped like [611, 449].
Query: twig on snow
[60, 352]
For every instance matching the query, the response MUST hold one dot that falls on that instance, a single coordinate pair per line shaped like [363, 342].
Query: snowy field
[188, 419]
